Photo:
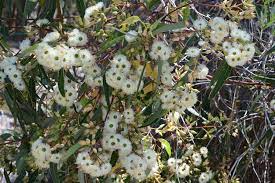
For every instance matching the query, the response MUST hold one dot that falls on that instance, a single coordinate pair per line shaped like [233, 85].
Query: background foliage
[233, 101]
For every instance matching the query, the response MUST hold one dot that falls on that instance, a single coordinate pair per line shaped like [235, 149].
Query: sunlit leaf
[166, 146]
[71, 151]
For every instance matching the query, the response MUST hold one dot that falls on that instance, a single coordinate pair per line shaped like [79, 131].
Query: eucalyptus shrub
[114, 95]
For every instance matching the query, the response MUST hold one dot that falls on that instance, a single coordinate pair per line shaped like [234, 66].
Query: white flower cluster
[43, 155]
[91, 11]
[137, 166]
[61, 56]
[9, 69]
[166, 76]
[238, 54]
[160, 51]
[92, 167]
[178, 100]
[121, 77]
[195, 159]
[70, 93]
[177, 166]
[236, 43]
[93, 75]
[57, 57]
[77, 38]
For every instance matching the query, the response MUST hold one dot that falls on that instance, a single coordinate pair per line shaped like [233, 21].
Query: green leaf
[140, 78]
[32, 91]
[219, 78]
[70, 76]
[269, 79]
[107, 91]
[45, 81]
[81, 7]
[61, 82]
[114, 158]
[130, 21]
[5, 136]
[150, 4]
[168, 27]
[81, 177]
[111, 42]
[54, 173]
[21, 164]
[165, 144]
[270, 51]
[48, 9]
[97, 117]
[153, 118]
[29, 7]
[28, 51]
[71, 151]
[1, 7]
[4, 44]
[7, 176]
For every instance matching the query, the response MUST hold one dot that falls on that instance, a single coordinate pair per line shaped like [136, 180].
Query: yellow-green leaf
[166, 145]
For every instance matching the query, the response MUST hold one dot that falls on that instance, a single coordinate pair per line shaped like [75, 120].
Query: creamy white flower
[55, 158]
[183, 170]
[160, 51]
[200, 24]
[204, 178]
[77, 38]
[204, 151]
[217, 37]
[41, 22]
[272, 104]
[131, 36]
[201, 71]
[193, 52]
[25, 44]
[51, 37]
[129, 115]
[196, 157]
[226, 46]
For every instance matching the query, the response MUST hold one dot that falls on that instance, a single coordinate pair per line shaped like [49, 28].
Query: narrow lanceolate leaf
[219, 78]
[29, 7]
[168, 27]
[61, 82]
[28, 51]
[166, 145]
[54, 173]
[111, 42]
[154, 118]
[71, 151]
[1, 7]
[129, 21]
[269, 79]
[114, 158]
[107, 91]
[81, 7]
[270, 51]
[6, 176]
[81, 177]
[48, 9]
[70, 76]
[4, 44]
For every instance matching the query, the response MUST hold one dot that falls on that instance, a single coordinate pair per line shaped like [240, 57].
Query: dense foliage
[129, 91]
